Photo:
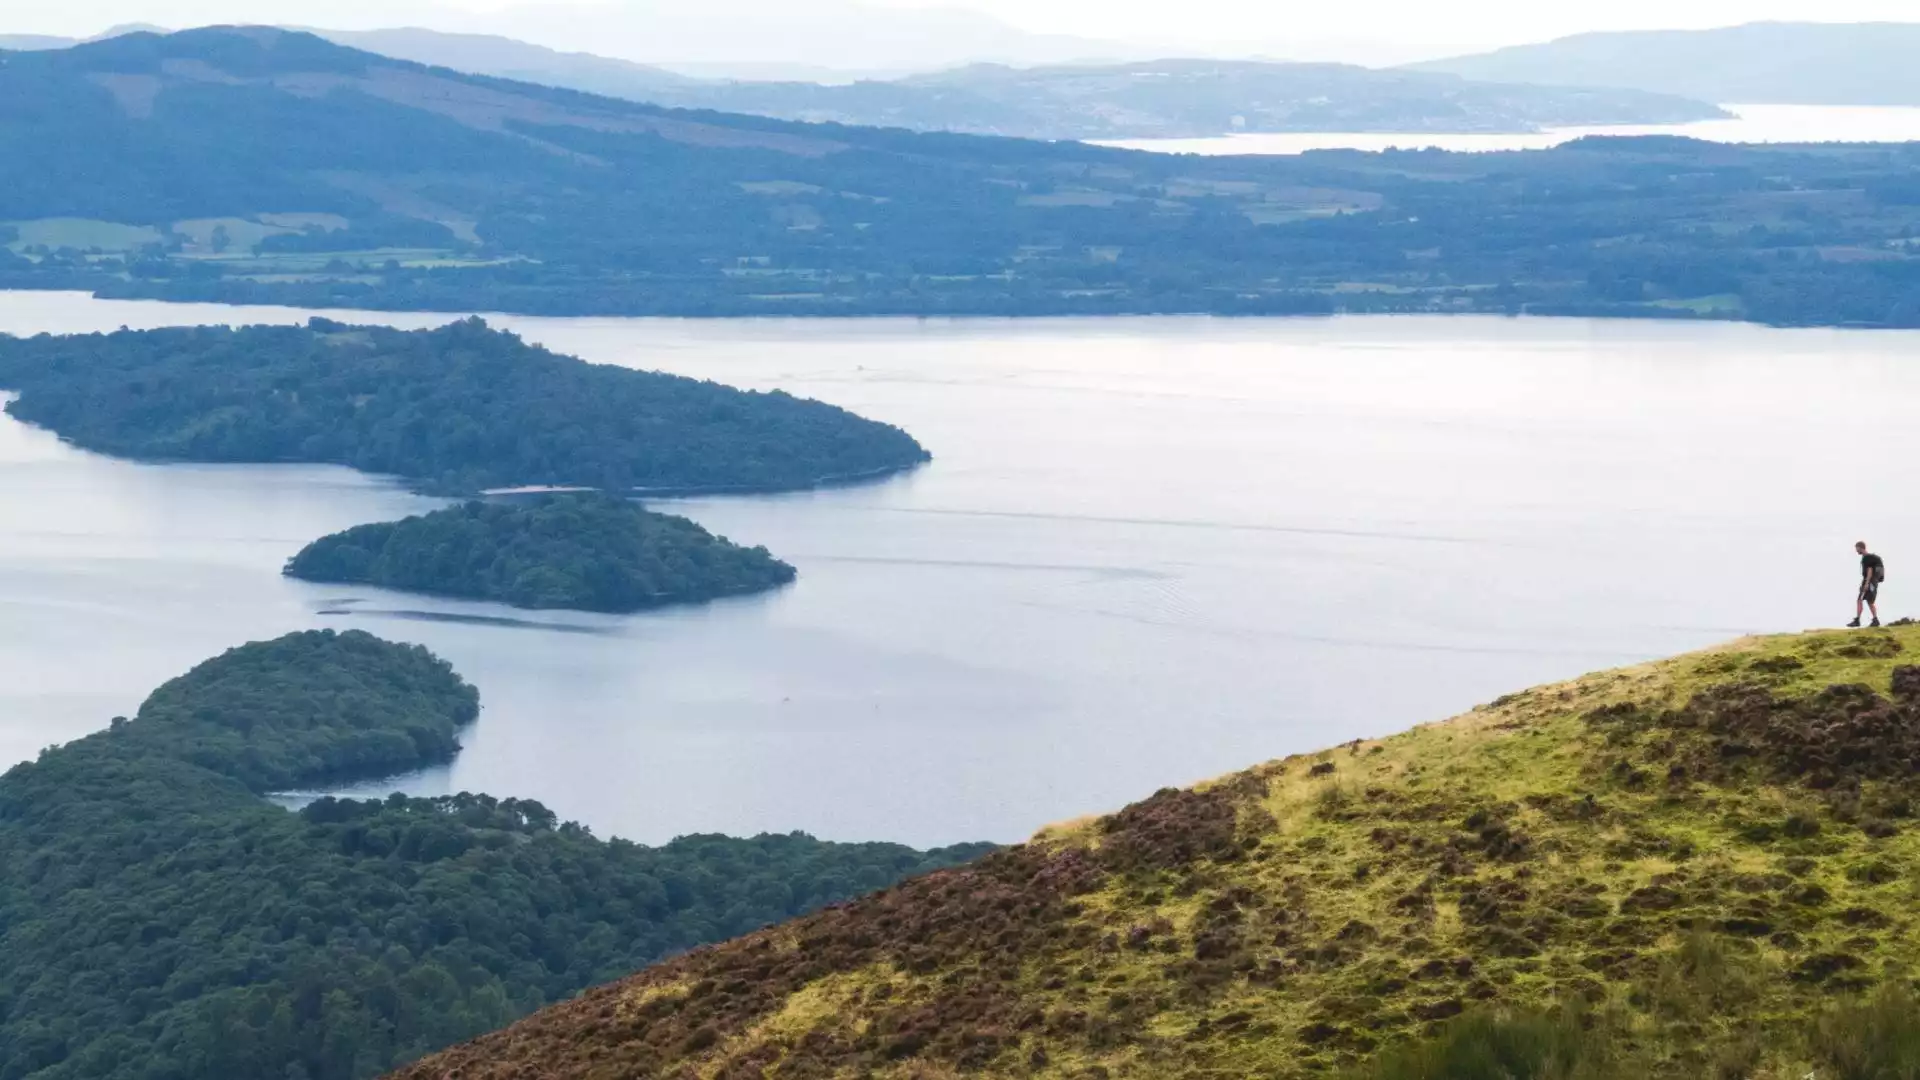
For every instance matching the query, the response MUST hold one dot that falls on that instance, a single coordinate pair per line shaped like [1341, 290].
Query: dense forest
[305, 709]
[590, 552]
[259, 166]
[161, 921]
[455, 410]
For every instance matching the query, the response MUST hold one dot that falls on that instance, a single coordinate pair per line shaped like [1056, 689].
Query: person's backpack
[1880, 572]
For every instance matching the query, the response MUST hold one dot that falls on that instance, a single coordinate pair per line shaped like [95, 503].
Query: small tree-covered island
[455, 410]
[586, 551]
[160, 920]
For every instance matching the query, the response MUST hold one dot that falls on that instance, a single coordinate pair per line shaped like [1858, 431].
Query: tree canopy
[457, 409]
[591, 552]
[159, 920]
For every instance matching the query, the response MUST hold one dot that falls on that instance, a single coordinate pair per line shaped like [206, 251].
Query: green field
[83, 234]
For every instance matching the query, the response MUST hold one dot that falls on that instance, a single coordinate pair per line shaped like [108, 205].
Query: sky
[1363, 31]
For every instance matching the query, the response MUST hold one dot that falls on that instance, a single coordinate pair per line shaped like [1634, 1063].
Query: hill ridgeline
[254, 165]
[1699, 867]
[1798, 63]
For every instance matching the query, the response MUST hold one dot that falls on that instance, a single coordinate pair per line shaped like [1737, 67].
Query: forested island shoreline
[163, 918]
[580, 551]
[454, 410]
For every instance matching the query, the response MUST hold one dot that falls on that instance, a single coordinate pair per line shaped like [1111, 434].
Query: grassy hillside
[256, 165]
[1706, 859]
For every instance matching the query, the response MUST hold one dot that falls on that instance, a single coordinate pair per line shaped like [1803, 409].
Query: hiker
[1873, 571]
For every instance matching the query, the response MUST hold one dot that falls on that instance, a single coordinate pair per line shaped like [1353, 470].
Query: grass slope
[1708, 852]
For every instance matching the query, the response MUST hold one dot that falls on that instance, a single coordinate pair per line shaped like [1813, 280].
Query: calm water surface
[1149, 551]
[1750, 124]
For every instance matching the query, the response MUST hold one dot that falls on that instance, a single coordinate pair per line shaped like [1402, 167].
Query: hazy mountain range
[830, 40]
[1760, 63]
[1176, 98]
[257, 165]
[1167, 98]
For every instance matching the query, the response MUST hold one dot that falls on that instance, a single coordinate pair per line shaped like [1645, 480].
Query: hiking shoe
[1875, 622]
[1854, 625]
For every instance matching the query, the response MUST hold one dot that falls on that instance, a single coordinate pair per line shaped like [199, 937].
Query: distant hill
[486, 54]
[737, 39]
[41, 42]
[1159, 99]
[34, 42]
[1697, 868]
[1759, 63]
[253, 165]
[742, 38]
[1178, 98]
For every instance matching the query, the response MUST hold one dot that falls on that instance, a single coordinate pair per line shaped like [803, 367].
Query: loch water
[1148, 551]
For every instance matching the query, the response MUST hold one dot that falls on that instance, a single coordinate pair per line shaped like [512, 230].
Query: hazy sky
[1362, 30]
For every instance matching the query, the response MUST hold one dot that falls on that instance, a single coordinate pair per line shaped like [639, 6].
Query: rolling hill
[258, 165]
[1163, 99]
[1699, 867]
[488, 54]
[1759, 63]
[740, 39]
[1180, 98]
[25, 42]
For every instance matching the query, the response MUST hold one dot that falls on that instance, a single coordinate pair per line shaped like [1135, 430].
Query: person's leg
[1859, 605]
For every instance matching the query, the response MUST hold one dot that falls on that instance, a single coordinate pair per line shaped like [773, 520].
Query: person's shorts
[1870, 592]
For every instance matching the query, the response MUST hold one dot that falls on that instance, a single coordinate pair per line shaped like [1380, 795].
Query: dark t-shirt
[1871, 568]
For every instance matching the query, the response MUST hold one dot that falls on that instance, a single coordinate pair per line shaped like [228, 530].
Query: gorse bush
[1503, 1046]
[1874, 1039]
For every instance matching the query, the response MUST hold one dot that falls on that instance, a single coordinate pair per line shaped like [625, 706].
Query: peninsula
[455, 410]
